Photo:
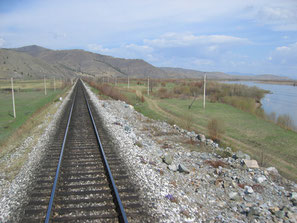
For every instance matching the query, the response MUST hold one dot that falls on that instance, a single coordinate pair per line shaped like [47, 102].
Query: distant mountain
[35, 62]
[188, 73]
[239, 73]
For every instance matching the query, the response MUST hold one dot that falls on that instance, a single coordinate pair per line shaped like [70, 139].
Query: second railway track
[80, 189]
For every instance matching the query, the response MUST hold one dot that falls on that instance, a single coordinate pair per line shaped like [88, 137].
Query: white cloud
[2, 41]
[189, 39]
[139, 48]
[291, 48]
[285, 55]
[279, 15]
[98, 48]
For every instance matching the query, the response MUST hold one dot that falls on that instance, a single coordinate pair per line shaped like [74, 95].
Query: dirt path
[279, 163]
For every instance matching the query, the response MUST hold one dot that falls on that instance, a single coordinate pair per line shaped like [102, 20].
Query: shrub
[163, 93]
[285, 121]
[215, 129]
[224, 154]
[142, 99]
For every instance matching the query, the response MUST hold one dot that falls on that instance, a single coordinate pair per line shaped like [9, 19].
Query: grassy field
[30, 84]
[265, 141]
[29, 98]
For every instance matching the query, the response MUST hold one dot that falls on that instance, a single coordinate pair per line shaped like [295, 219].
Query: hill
[22, 65]
[35, 62]
[94, 64]
[188, 73]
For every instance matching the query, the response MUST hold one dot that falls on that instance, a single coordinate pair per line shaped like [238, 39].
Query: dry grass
[215, 129]
[215, 163]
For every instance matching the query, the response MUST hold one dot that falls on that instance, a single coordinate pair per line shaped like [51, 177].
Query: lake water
[283, 99]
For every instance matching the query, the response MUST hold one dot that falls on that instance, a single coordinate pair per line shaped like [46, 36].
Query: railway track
[81, 178]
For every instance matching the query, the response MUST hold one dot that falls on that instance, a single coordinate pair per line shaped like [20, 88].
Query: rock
[294, 198]
[183, 169]
[260, 179]
[172, 167]
[251, 163]
[209, 141]
[228, 149]
[168, 158]
[248, 190]
[272, 170]
[127, 128]
[292, 216]
[204, 156]
[241, 155]
[273, 210]
[254, 211]
[280, 214]
[234, 196]
[201, 137]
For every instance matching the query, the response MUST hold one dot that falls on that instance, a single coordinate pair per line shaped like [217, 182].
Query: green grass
[276, 143]
[29, 84]
[27, 102]
[243, 131]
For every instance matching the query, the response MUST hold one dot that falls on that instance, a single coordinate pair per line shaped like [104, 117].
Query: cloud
[98, 48]
[286, 54]
[2, 42]
[189, 39]
[279, 15]
[283, 59]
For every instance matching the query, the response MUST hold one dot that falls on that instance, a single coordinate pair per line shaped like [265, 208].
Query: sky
[246, 36]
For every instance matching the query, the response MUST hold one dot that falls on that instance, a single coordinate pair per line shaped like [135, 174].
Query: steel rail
[50, 205]
[123, 217]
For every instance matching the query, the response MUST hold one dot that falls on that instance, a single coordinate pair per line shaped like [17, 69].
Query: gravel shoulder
[182, 185]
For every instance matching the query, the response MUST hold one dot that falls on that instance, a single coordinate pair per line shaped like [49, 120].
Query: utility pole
[13, 103]
[128, 83]
[148, 86]
[204, 91]
[54, 84]
[44, 82]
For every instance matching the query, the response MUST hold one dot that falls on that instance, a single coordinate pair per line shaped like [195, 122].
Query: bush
[215, 129]
[163, 93]
[285, 121]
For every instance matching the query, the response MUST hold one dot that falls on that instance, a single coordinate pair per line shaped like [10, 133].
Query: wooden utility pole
[148, 86]
[44, 83]
[54, 84]
[128, 83]
[13, 102]
[204, 91]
